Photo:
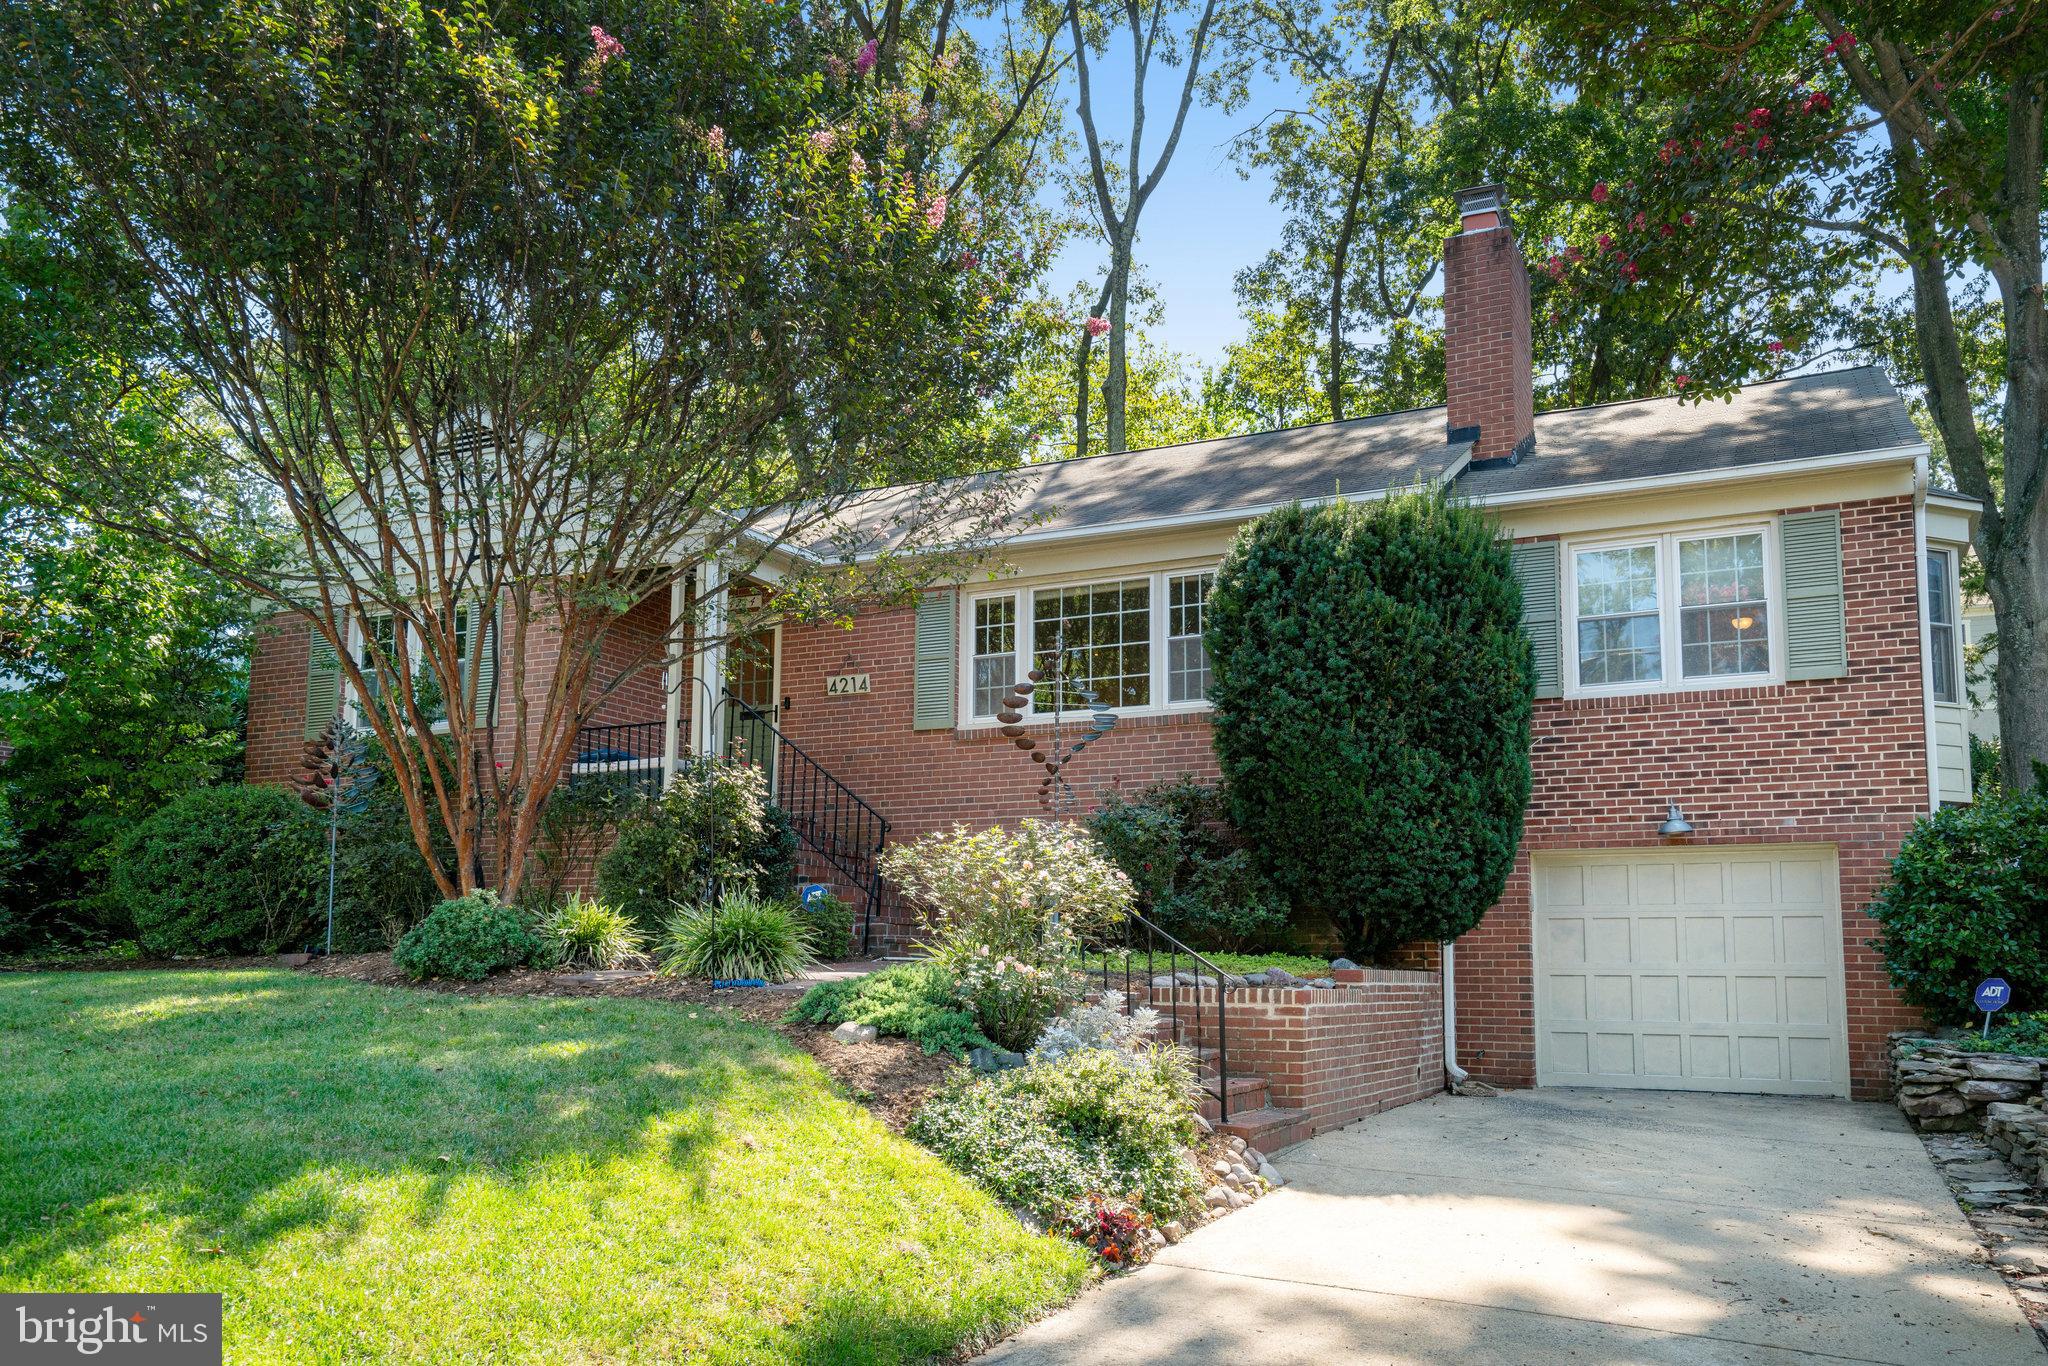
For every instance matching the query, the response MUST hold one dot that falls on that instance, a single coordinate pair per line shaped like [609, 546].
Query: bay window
[1686, 609]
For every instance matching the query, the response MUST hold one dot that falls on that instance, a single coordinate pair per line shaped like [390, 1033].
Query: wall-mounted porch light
[1675, 824]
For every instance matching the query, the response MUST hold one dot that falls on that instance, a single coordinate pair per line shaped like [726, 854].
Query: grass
[369, 1174]
[1240, 963]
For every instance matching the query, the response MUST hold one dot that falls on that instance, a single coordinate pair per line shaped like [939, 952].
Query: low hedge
[468, 939]
[224, 870]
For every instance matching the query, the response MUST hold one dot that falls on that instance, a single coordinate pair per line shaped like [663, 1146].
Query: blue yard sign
[811, 891]
[1992, 995]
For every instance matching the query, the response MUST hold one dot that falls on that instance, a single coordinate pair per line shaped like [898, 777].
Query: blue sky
[1203, 225]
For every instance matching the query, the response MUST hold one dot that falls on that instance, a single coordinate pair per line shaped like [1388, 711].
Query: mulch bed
[891, 1077]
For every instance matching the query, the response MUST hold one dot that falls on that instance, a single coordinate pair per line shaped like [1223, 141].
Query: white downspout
[1448, 960]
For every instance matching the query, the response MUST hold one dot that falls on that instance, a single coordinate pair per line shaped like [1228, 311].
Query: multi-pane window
[1135, 642]
[1619, 623]
[1723, 615]
[1187, 660]
[1106, 631]
[428, 693]
[1701, 601]
[1941, 626]
[995, 652]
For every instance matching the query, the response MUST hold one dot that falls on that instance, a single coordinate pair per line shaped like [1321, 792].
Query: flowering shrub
[1112, 1229]
[1012, 999]
[1006, 911]
[1104, 1026]
[1010, 889]
[1046, 1135]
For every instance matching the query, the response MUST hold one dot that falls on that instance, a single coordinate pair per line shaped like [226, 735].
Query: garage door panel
[1706, 940]
[1657, 940]
[1565, 998]
[1713, 969]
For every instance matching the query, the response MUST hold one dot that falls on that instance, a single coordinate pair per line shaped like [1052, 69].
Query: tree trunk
[1115, 383]
[2019, 593]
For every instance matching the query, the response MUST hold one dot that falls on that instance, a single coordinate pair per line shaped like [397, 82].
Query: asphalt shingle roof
[1837, 412]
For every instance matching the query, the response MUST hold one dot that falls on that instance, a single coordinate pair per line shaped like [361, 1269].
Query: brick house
[1745, 620]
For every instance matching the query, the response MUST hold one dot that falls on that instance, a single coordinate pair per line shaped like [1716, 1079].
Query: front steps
[1253, 1115]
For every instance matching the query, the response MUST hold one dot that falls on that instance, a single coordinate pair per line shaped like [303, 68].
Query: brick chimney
[1488, 361]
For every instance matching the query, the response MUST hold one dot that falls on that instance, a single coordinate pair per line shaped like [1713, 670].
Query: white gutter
[1657, 483]
[1920, 482]
[1449, 964]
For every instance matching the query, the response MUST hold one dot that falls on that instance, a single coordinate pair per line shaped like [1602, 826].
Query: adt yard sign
[1992, 995]
[811, 891]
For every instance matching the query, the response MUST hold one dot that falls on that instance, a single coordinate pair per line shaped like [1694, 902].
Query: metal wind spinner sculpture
[337, 781]
[1055, 793]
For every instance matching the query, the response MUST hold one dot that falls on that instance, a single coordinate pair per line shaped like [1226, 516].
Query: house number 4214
[848, 685]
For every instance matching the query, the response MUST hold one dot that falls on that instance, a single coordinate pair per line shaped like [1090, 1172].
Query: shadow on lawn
[245, 1112]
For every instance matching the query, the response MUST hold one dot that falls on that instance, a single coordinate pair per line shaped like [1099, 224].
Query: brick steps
[1246, 1094]
[1269, 1128]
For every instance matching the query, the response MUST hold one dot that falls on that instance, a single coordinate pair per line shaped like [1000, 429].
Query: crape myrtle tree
[1373, 691]
[1910, 134]
[484, 321]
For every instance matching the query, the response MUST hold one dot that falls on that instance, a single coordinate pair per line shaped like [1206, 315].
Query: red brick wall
[1375, 1042]
[277, 699]
[927, 780]
[1833, 761]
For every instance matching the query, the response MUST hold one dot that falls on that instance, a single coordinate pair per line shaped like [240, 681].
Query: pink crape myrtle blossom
[604, 46]
[1600, 192]
[714, 138]
[935, 213]
[864, 60]
[858, 162]
[824, 140]
[1098, 327]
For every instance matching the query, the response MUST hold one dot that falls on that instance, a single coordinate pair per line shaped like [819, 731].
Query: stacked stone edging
[1944, 1089]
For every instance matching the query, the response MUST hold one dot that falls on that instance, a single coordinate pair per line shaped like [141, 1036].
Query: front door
[752, 673]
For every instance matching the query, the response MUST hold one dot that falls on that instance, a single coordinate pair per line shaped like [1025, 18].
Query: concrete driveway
[1584, 1226]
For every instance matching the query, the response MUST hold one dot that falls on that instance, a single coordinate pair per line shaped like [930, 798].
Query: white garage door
[1692, 970]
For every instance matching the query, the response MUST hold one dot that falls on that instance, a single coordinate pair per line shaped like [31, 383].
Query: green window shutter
[1810, 554]
[480, 659]
[323, 684]
[938, 662]
[1536, 567]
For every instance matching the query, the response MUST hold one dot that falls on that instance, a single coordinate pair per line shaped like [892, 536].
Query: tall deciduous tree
[1174, 34]
[1910, 133]
[505, 319]
[1405, 105]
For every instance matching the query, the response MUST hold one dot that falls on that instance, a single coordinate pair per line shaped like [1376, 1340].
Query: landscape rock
[854, 1032]
[1175, 1230]
[1324, 984]
[1342, 965]
[1163, 982]
[1220, 1167]
[1975, 1089]
[1241, 1173]
[1998, 1068]
[1282, 977]
[1238, 1199]
[1154, 1239]
[2027, 1257]
[1216, 1197]
[1270, 1174]
[1943, 1103]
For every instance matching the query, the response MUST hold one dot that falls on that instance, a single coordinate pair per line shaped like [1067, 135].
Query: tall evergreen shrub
[1373, 692]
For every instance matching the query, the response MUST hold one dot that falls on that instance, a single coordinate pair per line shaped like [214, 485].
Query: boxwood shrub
[224, 870]
[1968, 899]
[468, 939]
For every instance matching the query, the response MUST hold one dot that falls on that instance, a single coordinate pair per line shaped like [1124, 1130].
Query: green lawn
[371, 1174]
[1310, 968]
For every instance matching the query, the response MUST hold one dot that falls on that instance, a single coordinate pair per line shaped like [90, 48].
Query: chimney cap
[1482, 207]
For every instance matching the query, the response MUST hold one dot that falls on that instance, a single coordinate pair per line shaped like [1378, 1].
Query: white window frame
[1022, 592]
[358, 641]
[1669, 613]
[1955, 625]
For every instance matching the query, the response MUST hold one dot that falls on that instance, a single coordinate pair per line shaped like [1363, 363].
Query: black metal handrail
[1145, 943]
[829, 817]
[632, 752]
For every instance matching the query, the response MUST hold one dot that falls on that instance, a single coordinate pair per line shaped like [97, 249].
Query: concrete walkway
[1584, 1226]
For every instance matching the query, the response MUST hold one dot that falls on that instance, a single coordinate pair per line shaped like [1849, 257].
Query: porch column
[672, 683]
[708, 664]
